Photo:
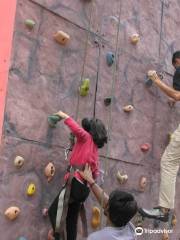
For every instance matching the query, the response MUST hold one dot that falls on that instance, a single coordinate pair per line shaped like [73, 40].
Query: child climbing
[63, 212]
[171, 158]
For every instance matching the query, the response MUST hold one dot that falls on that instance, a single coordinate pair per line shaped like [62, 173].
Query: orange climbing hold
[49, 171]
[128, 108]
[62, 37]
[165, 236]
[12, 213]
[96, 220]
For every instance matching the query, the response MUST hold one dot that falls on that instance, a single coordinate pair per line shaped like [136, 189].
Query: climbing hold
[62, 37]
[22, 238]
[145, 147]
[84, 88]
[135, 38]
[148, 81]
[18, 161]
[50, 235]
[31, 189]
[45, 212]
[174, 220]
[12, 212]
[142, 183]
[107, 101]
[139, 220]
[53, 119]
[96, 220]
[128, 108]
[122, 178]
[165, 236]
[30, 24]
[49, 171]
[110, 58]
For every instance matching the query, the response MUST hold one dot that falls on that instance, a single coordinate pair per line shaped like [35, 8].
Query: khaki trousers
[169, 169]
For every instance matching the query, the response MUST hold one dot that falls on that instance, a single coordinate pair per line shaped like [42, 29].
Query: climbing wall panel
[45, 77]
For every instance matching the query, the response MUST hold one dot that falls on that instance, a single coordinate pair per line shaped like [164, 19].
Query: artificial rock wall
[45, 77]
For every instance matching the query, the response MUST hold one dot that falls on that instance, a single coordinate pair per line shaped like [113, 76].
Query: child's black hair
[97, 130]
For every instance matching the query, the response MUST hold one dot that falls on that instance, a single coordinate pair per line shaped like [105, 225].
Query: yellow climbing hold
[31, 189]
[84, 88]
[96, 220]
[135, 38]
[61, 37]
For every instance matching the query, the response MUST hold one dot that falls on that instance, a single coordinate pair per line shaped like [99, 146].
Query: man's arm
[165, 88]
[99, 193]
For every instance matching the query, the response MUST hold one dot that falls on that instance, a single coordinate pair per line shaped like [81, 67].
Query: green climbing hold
[53, 120]
[30, 23]
[84, 88]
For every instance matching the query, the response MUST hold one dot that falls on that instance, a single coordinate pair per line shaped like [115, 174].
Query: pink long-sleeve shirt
[84, 150]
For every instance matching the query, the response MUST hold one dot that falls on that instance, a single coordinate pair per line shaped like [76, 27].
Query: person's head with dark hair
[176, 59]
[97, 130]
[121, 208]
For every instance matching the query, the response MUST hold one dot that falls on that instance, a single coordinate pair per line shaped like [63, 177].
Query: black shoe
[155, 213]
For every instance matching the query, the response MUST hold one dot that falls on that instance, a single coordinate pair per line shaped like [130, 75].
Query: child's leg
[71, 220]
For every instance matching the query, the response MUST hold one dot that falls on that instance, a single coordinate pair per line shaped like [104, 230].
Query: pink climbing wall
[45, 76]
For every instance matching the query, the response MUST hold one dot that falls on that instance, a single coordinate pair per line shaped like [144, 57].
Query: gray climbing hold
[21, 238]
[110, 58]
[148, 81]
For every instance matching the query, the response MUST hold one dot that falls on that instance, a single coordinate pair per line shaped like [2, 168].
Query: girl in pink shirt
[91, 136]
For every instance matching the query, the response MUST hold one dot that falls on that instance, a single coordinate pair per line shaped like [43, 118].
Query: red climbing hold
[145, 147]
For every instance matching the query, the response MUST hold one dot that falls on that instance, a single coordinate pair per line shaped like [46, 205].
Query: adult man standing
[119, 208]
[171, 158]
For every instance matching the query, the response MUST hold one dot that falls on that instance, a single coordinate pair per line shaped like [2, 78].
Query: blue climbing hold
[110, 58]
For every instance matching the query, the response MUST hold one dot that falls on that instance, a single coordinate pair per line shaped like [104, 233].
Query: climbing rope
[85, 56]
[110, 111]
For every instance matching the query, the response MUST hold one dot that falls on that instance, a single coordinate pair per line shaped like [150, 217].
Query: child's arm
[78, 131]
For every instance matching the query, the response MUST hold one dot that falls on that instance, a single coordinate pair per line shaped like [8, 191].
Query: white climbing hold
[18, 161]
[122, 178]
[128, 108]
